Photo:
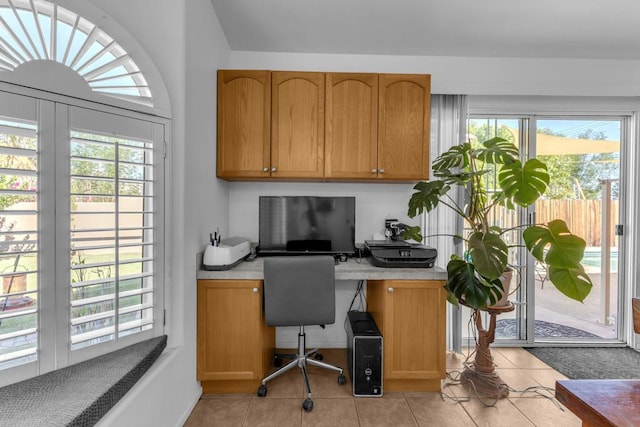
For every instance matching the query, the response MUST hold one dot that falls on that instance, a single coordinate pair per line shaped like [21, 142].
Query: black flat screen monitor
[293, 225]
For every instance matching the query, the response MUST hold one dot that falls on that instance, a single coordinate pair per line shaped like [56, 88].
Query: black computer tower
[364, 354]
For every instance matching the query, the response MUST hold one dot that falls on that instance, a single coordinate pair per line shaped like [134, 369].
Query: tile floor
[334, 406]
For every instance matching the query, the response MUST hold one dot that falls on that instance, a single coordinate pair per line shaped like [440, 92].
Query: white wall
[472, 76]
[374, 203]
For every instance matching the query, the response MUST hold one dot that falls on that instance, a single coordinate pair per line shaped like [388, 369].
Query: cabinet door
[297, 120]
[351, 124]
[244, 124]
[229, 330]
[411, 316]
[403, 133]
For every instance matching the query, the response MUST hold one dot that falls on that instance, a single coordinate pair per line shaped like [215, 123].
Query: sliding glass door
[583, 157]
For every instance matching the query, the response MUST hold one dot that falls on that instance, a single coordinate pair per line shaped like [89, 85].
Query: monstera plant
[475, 277]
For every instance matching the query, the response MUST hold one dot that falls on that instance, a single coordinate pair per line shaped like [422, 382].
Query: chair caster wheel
[262, 391]
[307, 405]
[342, 380]
[277, 361]
[318, 356]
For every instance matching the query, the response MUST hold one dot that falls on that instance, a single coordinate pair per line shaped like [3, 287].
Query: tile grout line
[523, 414]
[415, 420]
[246, 412]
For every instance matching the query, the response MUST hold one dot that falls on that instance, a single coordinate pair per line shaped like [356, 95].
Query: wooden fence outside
[583, 217]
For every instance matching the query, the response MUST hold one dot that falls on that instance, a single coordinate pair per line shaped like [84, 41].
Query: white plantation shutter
[81, 233]
[113, 164]
[18, 238]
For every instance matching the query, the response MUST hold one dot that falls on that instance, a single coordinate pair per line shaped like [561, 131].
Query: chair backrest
[299, 290]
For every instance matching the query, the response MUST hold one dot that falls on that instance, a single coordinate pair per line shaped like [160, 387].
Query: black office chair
[300, 291]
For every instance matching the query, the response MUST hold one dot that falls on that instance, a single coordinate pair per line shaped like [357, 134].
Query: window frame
[625, 108]
[54, 345]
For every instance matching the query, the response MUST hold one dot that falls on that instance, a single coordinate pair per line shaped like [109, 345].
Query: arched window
[82, 192]
[33, 30]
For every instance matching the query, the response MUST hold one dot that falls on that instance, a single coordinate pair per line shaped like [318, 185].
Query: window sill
[79, 394]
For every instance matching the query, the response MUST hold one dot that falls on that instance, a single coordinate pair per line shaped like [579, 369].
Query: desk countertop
[350, 270]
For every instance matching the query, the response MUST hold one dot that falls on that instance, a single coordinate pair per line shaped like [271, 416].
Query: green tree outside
[572, 176]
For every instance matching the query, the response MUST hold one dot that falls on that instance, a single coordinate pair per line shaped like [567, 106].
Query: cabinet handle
[374, 170]
[265, 169]
[381, 170]
[273, 169]
[390, 290]
[255, 290]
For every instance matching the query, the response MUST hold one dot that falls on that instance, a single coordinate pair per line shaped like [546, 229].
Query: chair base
[301, 360]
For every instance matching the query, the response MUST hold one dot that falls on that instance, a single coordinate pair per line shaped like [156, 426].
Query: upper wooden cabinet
[351, 140]
[297, 125]
[403, 126]
[376, 126]
[244, 124]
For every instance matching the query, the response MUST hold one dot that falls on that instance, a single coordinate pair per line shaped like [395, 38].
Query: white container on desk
[229, 253]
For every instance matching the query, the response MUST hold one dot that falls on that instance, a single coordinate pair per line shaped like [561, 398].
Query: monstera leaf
[524, 184]
[497, 151]
[501, 199]
[458, 177]
[456, 157]
[573, 282]
[554, 245]
[464, 284]
[427, 196]
[412, 232]
[489, 254]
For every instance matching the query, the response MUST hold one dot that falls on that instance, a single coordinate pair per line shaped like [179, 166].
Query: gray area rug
[581, 363]
[506, 328]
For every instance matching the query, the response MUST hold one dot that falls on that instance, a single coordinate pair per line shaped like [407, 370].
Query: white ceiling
[594, 29]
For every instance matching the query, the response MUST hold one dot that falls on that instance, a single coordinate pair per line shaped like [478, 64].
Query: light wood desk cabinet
[235, 347]
[411, 317]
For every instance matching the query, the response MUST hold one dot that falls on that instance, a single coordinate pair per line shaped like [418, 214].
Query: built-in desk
[408, 304]
[352, 270]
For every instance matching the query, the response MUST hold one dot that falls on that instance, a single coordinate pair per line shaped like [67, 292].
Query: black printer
[399, 253]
